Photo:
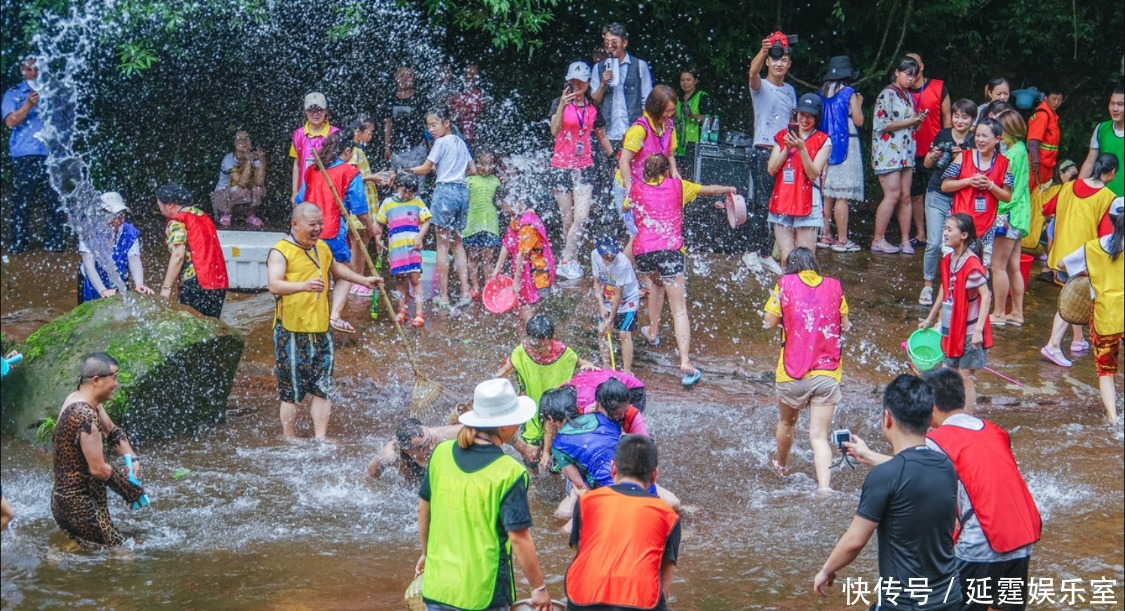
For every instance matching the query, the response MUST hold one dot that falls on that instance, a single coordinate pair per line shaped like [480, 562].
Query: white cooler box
[245, 253]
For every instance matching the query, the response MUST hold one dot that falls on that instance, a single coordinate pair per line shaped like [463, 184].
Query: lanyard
[315, 261]
[581, 116]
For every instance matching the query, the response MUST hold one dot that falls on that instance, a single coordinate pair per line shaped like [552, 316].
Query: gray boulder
[177, 367]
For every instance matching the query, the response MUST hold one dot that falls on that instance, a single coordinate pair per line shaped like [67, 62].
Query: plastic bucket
[1025, 267]
[498, 296]
[924, 349]
[429, 274]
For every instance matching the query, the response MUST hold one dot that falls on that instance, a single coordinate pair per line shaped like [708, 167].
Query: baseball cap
[608, 247]
[315, 99]
[578, 71]
[1117, 206]
[810, 103]
[113, 203]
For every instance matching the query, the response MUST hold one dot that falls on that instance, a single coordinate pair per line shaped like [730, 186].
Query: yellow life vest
[1107, 278]
[304, 312]
[1076, 221]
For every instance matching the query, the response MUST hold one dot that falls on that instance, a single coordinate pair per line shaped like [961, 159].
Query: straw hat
[496, 404]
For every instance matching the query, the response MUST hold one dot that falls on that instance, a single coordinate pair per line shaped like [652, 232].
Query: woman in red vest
[196, 256]
[799, 156]
[979, 181]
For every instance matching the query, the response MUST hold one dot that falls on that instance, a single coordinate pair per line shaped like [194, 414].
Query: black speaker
[705, 227]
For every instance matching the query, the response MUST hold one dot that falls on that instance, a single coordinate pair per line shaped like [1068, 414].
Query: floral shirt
[892, 151]
[176, 233]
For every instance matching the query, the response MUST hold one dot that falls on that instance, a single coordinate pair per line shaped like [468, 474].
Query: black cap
[810, 103]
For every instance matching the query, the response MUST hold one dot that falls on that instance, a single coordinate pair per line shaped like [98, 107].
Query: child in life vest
[963, 303]
[1101, 259]
[533, 262]
[407, 219]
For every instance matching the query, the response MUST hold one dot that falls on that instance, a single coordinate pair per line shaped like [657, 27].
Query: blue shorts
[449, 205]
[341, 250]
[482, 239]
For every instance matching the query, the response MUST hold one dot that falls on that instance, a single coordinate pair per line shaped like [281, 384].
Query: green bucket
[924, 349]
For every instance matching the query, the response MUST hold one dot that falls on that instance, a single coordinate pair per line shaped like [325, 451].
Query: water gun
[7, 362]
[379, 258]
[143, 502]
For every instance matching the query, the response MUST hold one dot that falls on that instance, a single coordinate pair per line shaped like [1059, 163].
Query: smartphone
[569, 88]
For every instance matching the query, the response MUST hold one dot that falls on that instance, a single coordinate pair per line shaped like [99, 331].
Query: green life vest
[463, 550]
[1109, 142]
[687, 128]
[537, 378]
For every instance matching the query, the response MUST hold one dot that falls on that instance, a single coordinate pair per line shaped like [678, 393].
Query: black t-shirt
[515, 514]
[942, 137]
[671, 549]
[913, 497]
[408, 119]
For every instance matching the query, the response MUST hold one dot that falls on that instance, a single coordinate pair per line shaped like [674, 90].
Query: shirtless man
[411, 448]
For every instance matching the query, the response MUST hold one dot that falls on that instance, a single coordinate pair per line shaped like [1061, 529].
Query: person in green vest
[1109, 137]
[473, 512]
[541, 363]
[692, 108]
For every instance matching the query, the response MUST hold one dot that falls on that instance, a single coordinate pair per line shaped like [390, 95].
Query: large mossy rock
[177, 367]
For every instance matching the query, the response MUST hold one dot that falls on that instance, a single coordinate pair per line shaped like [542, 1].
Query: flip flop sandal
[644, 334]
[341, 325]
[691, 379]
[418, 321]
[781, 471]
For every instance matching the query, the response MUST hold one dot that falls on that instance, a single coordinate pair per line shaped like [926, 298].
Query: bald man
[298, 268]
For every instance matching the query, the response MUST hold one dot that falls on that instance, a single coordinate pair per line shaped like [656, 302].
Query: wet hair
[966, 107]
[995, 107]
[656, 166]
[173, 193]
[406, 180]
[334, 146]
[1013, 125]
[96, 365]
[1104, 164]
[559, 404]
[658, 100]
[909, 65]
[540, 327]
[966, 226]
[616, 29]
[800, 259]
[947, 387]
[992, 84]
[993, 125]
[441, 112]
[635, 457]
[1117, 240]
[910, 402]
[407, 431]
[612, 395]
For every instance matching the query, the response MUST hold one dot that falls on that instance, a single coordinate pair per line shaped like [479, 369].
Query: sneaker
[772, 265]
[1055, 356]
[752, 262]
[927, 296]
[916, 243]
[1079, 346]
[884, 247]
[565, 270]
[907, 248]
[850, 246]
[575, 269]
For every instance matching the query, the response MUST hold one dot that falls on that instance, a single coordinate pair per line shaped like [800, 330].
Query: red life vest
[929, 98]
[792, 188]
[318, 192]
[811, 315]
[1001, 501]
[953, 343]
[965, 200]
[620, 548]
[206, 252]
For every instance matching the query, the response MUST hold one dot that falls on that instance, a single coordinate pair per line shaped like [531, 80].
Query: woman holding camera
[892, 155]
[948, 144]
[574, 119]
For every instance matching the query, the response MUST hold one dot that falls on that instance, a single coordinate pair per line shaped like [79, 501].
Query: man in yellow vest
[298, 268]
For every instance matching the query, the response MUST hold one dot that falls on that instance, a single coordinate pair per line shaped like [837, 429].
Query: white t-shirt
[1094, 144]
[619, 273]
[972, 545]
[228, 166]
[773, 106]
[451, 158]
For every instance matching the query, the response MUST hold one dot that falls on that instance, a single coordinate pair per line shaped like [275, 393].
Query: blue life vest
[593, 450]
[125, 241]
[835, 116]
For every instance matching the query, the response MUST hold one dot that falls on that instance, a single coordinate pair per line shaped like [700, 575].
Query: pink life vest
[577, 124]
[659, 213]
[305, 144]
[529, 293]
[811, 315]
[652, 144]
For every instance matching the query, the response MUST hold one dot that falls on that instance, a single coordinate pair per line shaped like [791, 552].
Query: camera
[946, 158]
[780, 44]
[840, 437]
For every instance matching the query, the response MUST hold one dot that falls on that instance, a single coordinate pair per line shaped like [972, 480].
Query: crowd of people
[975, 186]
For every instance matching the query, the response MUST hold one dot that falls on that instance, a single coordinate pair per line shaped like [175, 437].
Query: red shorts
[1106, 350]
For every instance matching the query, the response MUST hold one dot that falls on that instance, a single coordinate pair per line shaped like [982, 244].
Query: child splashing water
[963, 302]
[533, 263]
[408, 220]
[450, 162]
[482, 230]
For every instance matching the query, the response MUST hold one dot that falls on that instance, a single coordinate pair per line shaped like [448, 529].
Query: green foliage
[45, 432]
[135, 58]
[507, 23]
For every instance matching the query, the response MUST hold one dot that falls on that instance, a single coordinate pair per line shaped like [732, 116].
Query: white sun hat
[496, 404]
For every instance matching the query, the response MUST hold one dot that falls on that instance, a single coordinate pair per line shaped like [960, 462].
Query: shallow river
[261, 522]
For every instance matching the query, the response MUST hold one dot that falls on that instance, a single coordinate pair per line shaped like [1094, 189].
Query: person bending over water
[78, 501]
[411, 448]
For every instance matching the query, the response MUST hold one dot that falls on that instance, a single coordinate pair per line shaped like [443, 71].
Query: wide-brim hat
[496, 404]
[840, 67]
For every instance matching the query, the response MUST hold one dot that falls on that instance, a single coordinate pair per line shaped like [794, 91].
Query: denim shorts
[815, 218]
[449, 205]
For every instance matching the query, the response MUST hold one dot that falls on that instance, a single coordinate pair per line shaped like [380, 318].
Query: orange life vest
[206, 252]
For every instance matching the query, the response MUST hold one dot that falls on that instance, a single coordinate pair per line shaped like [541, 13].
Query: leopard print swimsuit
[78, 501]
